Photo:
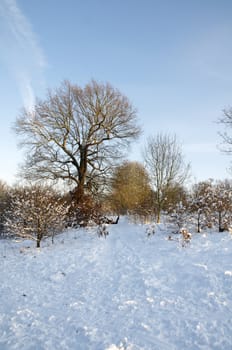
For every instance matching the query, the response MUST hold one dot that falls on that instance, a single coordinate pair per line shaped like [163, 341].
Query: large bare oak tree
[76, 134]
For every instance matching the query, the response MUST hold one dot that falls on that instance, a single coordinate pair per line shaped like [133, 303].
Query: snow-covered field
[123, 292]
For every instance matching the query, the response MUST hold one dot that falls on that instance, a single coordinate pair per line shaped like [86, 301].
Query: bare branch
[164, 162]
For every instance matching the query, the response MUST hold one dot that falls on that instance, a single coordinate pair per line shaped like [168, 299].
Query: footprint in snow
[58, 276]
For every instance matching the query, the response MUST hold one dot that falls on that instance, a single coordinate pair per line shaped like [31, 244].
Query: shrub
[35, 212]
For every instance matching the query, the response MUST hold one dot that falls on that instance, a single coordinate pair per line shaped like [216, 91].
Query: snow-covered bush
[221, 214]
[211, 204]
[178, 218]
[4, 204]
[151, 229]
[200, 204]
[35, 212]
[102, 230]
[186, 235]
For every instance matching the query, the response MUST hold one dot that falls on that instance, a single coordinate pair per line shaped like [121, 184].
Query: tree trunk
[39, 233]
[198, 223]
[159, 203]
[158, 215]
[81, 174]
[38, 242]
[220, 228]
[79, 193]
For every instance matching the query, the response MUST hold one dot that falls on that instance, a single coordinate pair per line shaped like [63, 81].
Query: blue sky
[172, 58]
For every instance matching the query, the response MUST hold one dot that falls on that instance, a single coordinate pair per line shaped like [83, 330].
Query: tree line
[38, 211]
[80, 137]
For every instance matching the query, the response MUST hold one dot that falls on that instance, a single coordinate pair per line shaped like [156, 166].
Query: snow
[127, 291]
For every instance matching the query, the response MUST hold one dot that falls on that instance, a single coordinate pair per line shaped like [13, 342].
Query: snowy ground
[122, 292]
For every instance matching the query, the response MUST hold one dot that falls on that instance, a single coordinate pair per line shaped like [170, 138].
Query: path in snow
[122, 292]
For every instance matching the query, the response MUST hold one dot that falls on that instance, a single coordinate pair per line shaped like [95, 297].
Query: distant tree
[201, 202]
[35, 212]
[179, 217]
[221, 214]
[77, 134]
[226, 135]
[164, 162]
[175, 194]
[130, 189]
[4, 204]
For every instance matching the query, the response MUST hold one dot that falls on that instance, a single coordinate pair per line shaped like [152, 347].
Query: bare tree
[164, 162]
[226, 134]
[76, 134]
[221, 208]
[34, 213]
[200, 203]
[226, 121]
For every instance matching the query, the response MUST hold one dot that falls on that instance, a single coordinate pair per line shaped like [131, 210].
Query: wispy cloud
[20, 50]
